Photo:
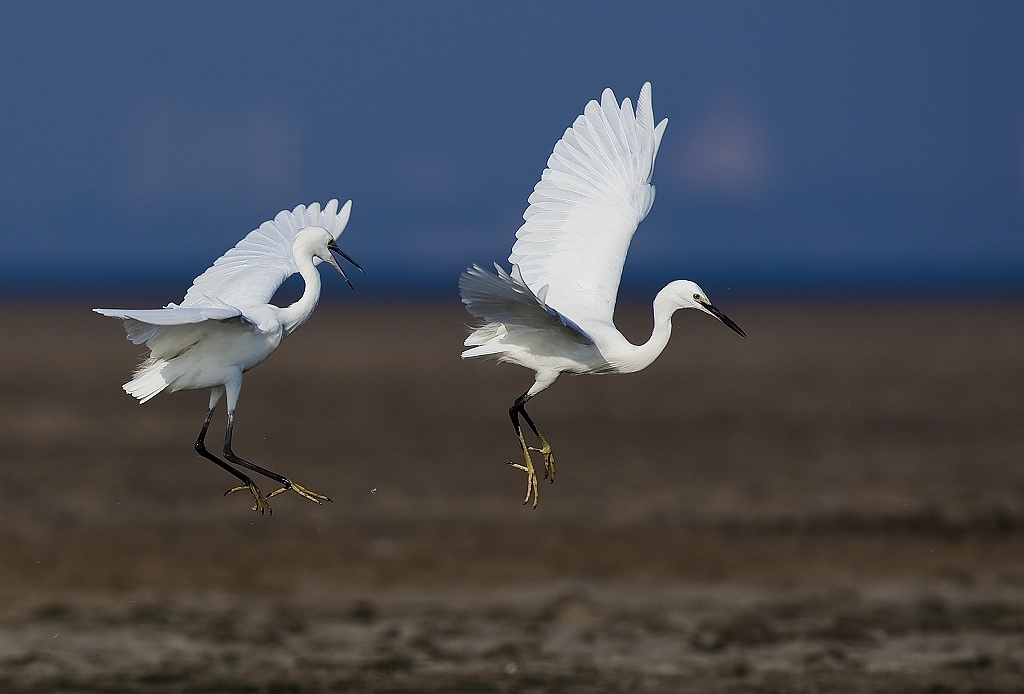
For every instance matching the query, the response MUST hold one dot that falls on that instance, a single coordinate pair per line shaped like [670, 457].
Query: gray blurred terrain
[834, 504]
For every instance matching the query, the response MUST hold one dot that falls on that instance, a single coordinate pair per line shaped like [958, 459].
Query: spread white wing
[591, 197]
[242, 280]
[250, 273]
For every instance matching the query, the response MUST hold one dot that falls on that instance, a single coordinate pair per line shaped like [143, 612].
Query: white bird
[225, 325]
[553, 312]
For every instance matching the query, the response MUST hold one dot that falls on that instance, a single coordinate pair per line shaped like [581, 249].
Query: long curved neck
[642, 356]
[298, 313]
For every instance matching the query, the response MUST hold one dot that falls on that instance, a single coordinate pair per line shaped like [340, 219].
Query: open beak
[333, 247]
[724, 318]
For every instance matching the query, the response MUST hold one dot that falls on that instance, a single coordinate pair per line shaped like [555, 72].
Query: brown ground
[835, 504]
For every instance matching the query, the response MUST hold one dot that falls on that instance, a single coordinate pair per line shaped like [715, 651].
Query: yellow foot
[549, 459]
[532, 488]
[259, 502]
[301, 491]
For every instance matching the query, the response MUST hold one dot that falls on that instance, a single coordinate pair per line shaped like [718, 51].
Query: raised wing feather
[505, 299]
[250, 273]
[591, 197]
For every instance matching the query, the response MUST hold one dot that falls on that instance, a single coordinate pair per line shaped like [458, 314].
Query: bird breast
[223, 350]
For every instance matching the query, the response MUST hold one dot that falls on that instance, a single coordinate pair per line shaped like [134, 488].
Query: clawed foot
[532, 486]
[259, 502]
[531, 479]
[518, 410]
[549, 458]
[301, 491]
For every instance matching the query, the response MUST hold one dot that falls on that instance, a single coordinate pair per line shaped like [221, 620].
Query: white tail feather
[485, 341]
[150, 378]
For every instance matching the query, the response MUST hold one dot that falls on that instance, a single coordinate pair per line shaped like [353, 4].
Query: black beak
[724, 318]
[333, 247]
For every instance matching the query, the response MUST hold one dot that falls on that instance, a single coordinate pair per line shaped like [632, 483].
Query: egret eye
[698, 298]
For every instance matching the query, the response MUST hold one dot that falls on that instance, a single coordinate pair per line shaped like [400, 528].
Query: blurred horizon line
[846, 286]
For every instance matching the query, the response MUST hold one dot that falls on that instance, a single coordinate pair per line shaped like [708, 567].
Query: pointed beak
[333, 247]
[724, 318]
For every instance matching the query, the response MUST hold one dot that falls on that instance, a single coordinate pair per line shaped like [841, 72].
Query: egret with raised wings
[553, 312]
[226, 324]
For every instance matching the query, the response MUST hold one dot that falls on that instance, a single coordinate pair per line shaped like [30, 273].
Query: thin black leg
[201, 450]
[519, 407]
[515, 410]
[230, 455]
[286, 484]
[527, 466]
[533, 427]
[247, 483]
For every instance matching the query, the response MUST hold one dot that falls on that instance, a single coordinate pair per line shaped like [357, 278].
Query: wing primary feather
[586, 206]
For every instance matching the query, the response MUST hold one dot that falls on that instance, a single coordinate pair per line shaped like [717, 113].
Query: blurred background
[836, 149]
[834, 504]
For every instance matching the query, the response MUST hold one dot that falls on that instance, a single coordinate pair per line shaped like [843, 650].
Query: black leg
[201, 450]
[513, 413]
[286, 484]
[533, 427]
[230, 455]
[519, 407]
[260, 502]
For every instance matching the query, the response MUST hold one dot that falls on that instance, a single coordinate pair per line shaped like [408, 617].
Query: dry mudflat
[835, 504]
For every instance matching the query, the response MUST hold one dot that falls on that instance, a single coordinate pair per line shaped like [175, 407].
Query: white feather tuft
[150, 378]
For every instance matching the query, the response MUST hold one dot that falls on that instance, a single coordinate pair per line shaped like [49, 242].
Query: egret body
[226, 324]
[552, 313]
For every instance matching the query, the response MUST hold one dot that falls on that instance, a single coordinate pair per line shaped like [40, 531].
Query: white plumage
[594, 192]
[225, 325]
[553, 312]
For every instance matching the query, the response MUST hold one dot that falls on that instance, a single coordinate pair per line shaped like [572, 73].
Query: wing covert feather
[585, 208]
[504, 298]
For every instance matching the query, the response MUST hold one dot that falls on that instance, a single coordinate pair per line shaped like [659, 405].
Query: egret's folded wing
[583, 212]
[142, 324]
[250, 273]
[172, 315]
[502, 299]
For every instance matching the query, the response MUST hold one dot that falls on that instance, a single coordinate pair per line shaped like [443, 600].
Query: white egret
[225, 325]
[553, 312]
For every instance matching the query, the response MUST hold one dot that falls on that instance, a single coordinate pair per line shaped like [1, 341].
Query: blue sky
[820, 148]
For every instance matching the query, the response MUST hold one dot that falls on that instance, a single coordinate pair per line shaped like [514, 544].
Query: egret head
[319, 243]
[687, 294]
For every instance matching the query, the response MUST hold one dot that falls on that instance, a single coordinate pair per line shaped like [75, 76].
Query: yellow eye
[698, 298]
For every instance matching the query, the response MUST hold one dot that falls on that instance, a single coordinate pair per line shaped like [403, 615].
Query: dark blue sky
[822, 148]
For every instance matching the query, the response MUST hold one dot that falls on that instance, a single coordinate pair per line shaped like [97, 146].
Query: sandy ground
[834, 504]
